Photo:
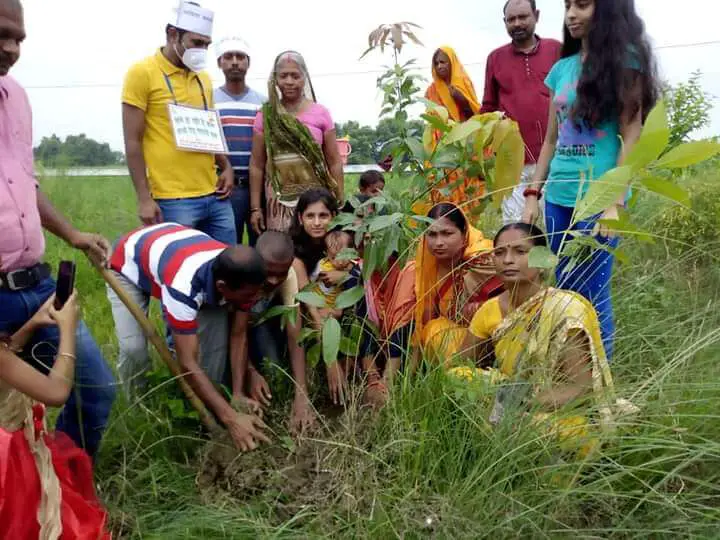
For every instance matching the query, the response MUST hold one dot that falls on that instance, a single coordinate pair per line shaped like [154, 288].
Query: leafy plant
[689, 108]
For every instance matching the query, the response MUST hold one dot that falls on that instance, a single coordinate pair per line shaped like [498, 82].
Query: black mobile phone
[65, 283]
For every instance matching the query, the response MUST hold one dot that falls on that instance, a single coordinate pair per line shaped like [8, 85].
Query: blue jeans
[240, 200]
[86, 412]
[208, 214]
[590, 277]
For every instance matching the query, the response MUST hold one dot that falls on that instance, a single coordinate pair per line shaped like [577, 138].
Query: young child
[335, 242]
[371, 184]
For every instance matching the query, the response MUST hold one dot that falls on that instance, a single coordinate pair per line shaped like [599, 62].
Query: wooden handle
[161, 346]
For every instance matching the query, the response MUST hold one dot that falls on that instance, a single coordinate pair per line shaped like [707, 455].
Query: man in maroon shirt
[515, 84]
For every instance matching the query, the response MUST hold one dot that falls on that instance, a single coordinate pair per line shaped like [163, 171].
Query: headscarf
[476, 258]
[439, 92]
[286, 136]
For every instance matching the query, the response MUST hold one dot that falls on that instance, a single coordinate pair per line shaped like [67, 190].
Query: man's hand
[257, 221]
[96, 246]
[259, 390]
[302, 415]
[336, 382]
[225, 183]
[149, 212]
[246, 405]
[246, 431]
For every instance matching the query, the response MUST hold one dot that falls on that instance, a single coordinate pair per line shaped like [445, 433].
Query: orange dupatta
[439, 91]
[430, 291]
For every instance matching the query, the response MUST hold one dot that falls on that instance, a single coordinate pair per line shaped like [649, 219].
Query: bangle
[529, 192]
[67, 355]
[253, 210]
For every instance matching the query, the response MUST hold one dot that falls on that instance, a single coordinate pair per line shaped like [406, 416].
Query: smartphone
[65, 283]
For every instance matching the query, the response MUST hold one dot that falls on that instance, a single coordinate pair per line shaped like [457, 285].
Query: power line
[339, 73]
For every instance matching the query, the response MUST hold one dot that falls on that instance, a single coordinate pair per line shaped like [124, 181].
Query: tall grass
[429, 465]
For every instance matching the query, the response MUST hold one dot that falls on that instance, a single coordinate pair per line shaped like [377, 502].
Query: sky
[77, 51]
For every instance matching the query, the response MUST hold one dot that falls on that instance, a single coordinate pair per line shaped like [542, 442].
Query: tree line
[688, 110]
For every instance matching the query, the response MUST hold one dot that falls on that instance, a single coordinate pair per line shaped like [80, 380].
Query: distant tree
[76, 151]
[689, 108]
[370, 145]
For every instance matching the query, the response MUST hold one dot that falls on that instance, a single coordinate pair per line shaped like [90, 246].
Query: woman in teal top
[602, 88]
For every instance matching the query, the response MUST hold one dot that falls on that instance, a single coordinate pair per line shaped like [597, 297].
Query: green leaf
[177, 408]
[331, 333]
[542, 257]
[311, 298]
[306, 333]
[461, 132]
[347, 254]
[416, 149]
[667, 189]
[623, 225]
[275, 311]
[313, 355]
[378, 223]
[343, 219]
[688, 154]
[653, 140]
[349, 298]
[436, 122]
[348, 347]
[510, 150]
[603, 192]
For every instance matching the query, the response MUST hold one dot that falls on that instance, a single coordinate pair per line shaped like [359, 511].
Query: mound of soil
[288, 476]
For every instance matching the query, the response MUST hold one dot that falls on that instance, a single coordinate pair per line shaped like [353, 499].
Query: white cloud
[77, 51]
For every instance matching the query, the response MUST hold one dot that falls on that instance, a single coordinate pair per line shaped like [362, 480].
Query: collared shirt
[515, 84]
[237, 114]
[172, 173]
[174, 264]
[21, 238]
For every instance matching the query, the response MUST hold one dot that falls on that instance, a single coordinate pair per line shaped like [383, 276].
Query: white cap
[189, 16]
[234, 44]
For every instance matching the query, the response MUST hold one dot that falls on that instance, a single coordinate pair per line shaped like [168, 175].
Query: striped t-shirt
[173, 263]
[237, 114]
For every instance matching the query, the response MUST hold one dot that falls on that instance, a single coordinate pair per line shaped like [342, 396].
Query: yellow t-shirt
[486, 319]
[172, 173]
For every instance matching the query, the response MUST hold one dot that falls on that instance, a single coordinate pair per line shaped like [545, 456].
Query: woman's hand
[67, 317]
[531, 212]
[257, 221]
[336, 382]
[611, 214]
[469, 310]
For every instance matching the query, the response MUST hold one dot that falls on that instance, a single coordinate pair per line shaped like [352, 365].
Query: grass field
[429, 467]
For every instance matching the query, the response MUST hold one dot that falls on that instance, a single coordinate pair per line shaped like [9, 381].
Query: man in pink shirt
[25, 282]
[515, 84]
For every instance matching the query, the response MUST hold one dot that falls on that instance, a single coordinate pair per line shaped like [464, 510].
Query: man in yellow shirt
[174, 183]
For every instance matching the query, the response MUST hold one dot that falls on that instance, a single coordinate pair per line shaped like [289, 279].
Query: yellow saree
[528, 344]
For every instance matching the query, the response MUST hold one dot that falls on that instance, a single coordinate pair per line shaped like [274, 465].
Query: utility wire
[339, 73]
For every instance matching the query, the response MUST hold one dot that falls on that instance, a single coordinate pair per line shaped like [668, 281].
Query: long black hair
[533, 232]
[619, 63]
[307, 250]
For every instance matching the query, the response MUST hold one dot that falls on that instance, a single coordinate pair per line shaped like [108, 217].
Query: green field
[428, 466]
